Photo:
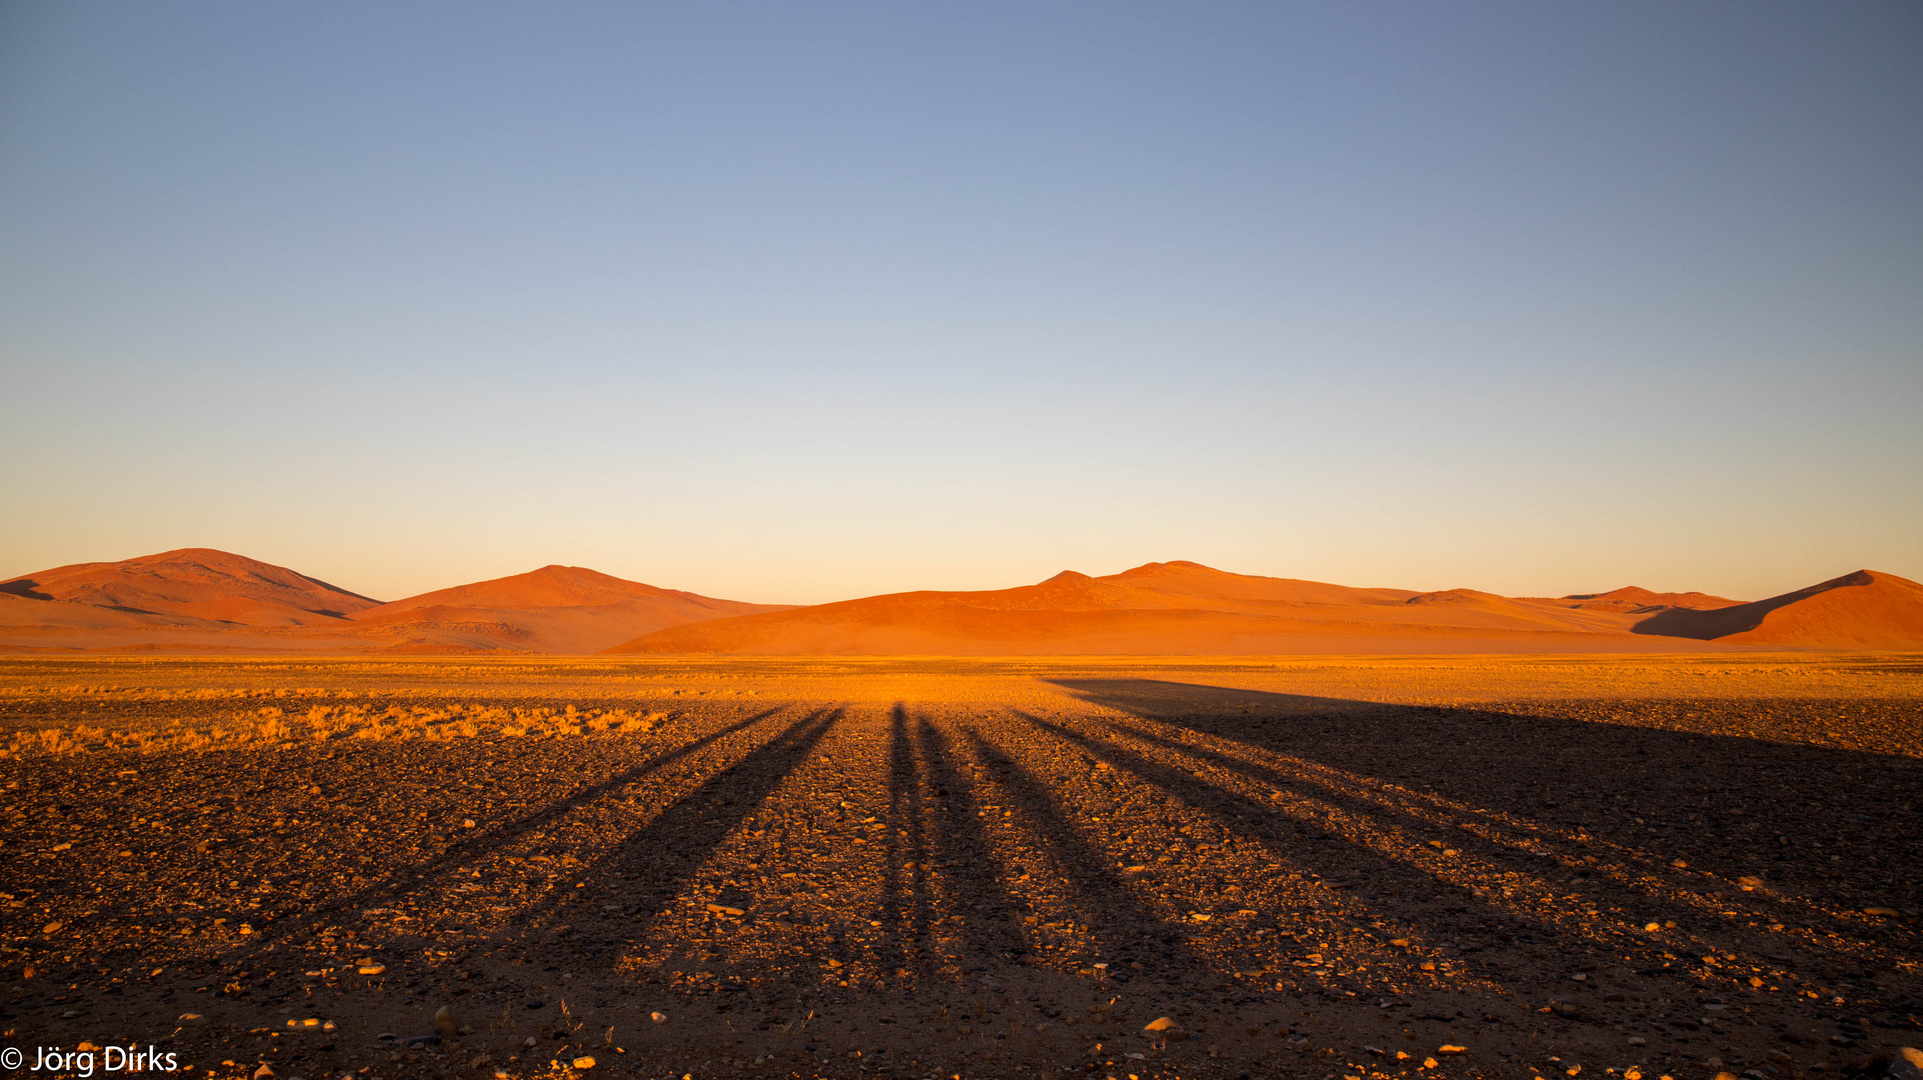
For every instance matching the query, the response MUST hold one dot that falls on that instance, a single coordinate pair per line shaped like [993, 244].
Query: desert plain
[1468, 866]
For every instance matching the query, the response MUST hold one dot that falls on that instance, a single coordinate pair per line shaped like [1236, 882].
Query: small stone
[263, 1072]
[1163, 1027]
[1725, 1076]
[1451, 1048]
[1883, 911]
[1568, 1009]
[584, 1062]
[445, 1019]
[1653, 927]
[481, 1061]
[1430, 1063]
[1638, 1040]
[529, 1044]
[372, 969]
[192, 1020]
[1680, 864]
[51, 928]
[467, 823]
[658, 1017]
[1907, 1064]
[70, 1014]
[723, 909]
[1749, 881]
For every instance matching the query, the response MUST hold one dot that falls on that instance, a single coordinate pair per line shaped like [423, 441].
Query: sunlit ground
[1320, 867]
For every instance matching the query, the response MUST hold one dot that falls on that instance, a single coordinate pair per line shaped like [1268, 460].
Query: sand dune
[201, 600]
[1633, 599]
[556, 609]
[192, 587]
[1863, 610]
[1175, 608]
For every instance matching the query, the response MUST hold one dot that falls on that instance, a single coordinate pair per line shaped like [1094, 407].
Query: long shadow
[1719, 793]
[666, 855]
[1087, 873]
[907, 902]
[1731, 806]
[963, 850]
[486, 841]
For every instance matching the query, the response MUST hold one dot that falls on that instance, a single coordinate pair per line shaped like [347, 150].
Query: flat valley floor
[1628, 867]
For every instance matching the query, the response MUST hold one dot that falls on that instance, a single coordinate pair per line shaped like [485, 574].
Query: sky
[798, 302]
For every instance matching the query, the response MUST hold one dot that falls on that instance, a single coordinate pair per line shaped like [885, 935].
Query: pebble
[1163, 1027]
[1907, 1064]
[50, 928]
[1886, 912]
[1451, 1048]
[445, 1019]
[372, 969]
[1638, 1040]
[584, 1062]
[481, 1061]
[192, 1020]
[658, 1017]
[723, 909]
[263, 1072]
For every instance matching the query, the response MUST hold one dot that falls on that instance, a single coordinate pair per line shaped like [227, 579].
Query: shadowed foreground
[942, 869]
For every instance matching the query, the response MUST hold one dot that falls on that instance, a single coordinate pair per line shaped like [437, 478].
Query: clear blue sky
[795, 302]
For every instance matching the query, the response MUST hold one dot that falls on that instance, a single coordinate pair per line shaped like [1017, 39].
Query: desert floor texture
[1628, 867]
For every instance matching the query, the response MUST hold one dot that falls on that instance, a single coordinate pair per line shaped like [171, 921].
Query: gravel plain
[1527, 867]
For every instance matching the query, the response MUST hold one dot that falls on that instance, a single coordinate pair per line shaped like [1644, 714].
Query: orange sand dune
[1633, 599]
[556, 609]
[201, 600]
[192, 587]
[1863, 610]
[1160, 608]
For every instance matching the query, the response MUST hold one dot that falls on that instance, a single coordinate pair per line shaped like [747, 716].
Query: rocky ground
[799, 869]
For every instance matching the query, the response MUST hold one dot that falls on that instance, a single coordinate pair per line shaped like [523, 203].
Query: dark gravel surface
[988, 882]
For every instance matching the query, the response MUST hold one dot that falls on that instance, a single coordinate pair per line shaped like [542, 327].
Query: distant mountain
[1158, 608]
[198, 599]
[1863, 610]
[1633, 599]
[556, 609]
[191, 587]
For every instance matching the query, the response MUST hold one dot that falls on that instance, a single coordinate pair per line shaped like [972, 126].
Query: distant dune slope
[202, 600]
[191, 587]
[1160, 608]
[1633, 599]
[557, 609]
[1866, 610]
[198, 599]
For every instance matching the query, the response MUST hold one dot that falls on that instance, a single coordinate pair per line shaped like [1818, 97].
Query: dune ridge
[203, 600]
[1178, 608]
[1866, 609]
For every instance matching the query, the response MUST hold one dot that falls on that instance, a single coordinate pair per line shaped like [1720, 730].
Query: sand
[1189, 609]
[854, 867]
[207, 601]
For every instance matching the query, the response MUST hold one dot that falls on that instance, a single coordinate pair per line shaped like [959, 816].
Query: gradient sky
[796, 302]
